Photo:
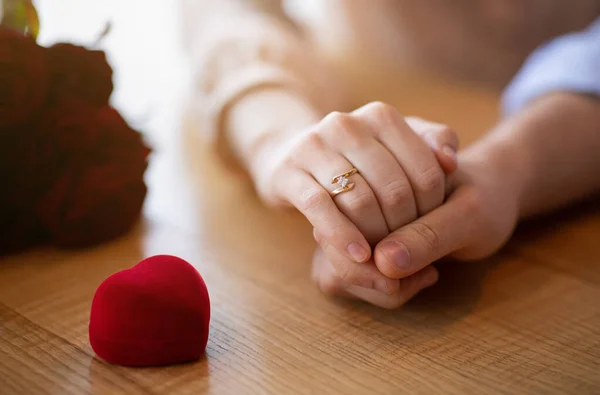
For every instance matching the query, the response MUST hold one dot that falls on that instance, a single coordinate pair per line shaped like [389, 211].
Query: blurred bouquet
[71, 168]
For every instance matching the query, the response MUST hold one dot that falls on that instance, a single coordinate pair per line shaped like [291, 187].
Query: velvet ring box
[155, 313]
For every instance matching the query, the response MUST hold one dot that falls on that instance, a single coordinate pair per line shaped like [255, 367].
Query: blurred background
[142, 46]
[478, 42]
[145, 48]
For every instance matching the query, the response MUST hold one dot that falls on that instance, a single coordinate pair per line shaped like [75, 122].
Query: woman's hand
[478, 218]
[401, 176]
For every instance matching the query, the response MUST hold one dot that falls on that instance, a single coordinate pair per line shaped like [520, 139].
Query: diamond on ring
[343, 181]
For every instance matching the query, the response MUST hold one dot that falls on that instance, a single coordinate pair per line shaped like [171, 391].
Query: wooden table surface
[526, 321]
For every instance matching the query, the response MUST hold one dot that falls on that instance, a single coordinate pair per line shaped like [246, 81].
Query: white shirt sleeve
[236, 46]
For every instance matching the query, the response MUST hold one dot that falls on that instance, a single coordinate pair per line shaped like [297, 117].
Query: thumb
[431, 237]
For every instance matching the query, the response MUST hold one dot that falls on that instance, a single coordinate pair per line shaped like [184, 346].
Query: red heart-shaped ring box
[155, 313]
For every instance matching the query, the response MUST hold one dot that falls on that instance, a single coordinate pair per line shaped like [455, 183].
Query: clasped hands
[411, 204]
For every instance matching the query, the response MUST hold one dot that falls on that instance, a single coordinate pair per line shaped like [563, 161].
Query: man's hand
[536, 161]
[478, 218]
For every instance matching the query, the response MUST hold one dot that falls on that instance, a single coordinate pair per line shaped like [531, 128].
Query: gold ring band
[344, 184]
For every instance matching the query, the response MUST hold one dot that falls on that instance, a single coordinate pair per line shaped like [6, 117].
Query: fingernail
[397, 254]
[451, 152]
[357, 252]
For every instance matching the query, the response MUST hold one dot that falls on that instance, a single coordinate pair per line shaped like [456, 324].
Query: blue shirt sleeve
[568, 63]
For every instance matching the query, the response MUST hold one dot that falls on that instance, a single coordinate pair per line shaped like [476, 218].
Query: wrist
[506, 163]
[551, 148]
[264, 118]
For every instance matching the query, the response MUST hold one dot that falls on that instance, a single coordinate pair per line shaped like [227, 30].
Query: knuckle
[337, 121]
[428, 236]
[306, 145]
[333, 117]
[379, 107]
[383, 112]
[284, 165]
[419, 125]
[446, 133]
[396, 193]
[312, 200]
[313, 139]
[360, 201]
[342, 127]
[430, 180]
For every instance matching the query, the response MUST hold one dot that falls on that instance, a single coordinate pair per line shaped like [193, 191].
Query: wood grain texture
[526, 321]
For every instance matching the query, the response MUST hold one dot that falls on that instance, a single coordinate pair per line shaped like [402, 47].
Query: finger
[408, 288]
[443, 231]
[326, 278]
[441, 139]
[383, 175]
[362, 275]
[323, 161]
[414, 156]
[315, 203]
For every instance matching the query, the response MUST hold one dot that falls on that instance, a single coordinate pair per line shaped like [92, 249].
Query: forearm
[551, 148]
[241, 48]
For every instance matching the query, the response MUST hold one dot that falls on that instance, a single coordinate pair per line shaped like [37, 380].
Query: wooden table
[526, 321]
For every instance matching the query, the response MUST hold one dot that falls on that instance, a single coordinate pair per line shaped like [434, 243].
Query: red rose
[19, 229]
[92, 207]
[80, 71]
[100, 188]
[23, 78]
[29, 162]
[27, 168]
